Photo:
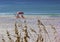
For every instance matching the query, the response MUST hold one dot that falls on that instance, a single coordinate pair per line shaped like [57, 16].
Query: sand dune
[7, 23]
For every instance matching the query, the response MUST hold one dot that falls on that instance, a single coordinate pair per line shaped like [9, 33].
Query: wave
[50, 14]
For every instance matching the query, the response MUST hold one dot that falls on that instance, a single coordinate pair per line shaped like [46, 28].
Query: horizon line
[31, 14]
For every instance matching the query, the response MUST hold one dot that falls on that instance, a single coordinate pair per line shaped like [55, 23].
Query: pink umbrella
[21, 14]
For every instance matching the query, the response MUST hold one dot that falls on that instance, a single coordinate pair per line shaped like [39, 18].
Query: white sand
[7, 23]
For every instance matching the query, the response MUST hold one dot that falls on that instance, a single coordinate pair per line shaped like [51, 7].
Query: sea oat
[17, 33]
[44, 28]
[3, 40]
[54, 31]
[32, 30]
[26, 33]
[10, 39]
[16, 30]
[40, 38]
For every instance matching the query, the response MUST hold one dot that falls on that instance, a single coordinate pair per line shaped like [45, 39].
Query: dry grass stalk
[3, 40]
[32, 30]
[37, 39]
[26, 34]
[25, 29]
[18, 39]
[9, 36]
[21, 39]
[41, 24]
[16, 30]
[17, 33]
[40, 38]
[54, 31]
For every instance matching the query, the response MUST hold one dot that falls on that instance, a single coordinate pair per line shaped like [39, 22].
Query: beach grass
[40, 37]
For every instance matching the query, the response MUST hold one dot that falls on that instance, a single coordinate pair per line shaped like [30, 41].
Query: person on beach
[20, 15]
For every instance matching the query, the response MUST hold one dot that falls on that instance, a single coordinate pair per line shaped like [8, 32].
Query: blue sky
[30, 6]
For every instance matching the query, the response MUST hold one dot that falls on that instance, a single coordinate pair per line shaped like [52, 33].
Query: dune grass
[26, 36]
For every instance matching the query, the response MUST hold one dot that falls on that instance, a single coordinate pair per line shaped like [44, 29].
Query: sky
[30, 6]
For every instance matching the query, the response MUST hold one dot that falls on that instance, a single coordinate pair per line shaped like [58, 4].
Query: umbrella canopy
[20, 12]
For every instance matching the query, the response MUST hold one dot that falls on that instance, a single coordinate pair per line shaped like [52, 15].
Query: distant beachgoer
[20, 15]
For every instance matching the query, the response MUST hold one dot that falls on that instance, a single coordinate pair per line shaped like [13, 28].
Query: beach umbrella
[20, 12]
